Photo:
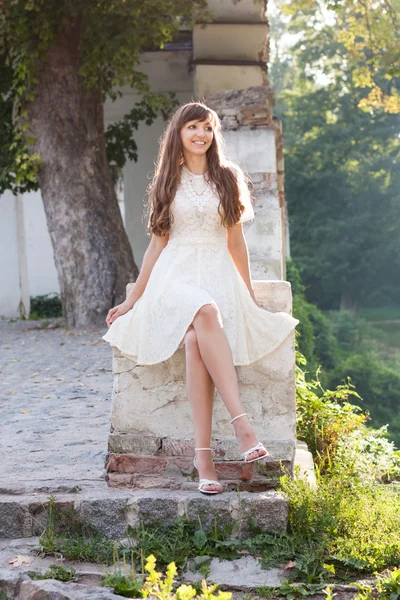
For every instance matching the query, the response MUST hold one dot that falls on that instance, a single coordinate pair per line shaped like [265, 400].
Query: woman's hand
[117, 311]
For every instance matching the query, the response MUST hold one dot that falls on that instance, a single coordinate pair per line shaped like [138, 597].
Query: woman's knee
[191, 343]
[208, 316]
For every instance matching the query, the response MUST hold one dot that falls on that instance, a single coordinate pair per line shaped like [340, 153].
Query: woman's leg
[201, 395]
[216, 355]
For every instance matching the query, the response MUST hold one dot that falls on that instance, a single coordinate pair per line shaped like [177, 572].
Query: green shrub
[316, 339]
[352, 523]
[56, 571]
[378, 386]
[46, 306]
[324, 417]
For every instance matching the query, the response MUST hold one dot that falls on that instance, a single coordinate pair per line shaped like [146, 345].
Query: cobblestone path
[55, 401]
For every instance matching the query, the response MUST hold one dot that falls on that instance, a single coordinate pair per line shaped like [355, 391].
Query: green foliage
[341, 177]
[354, 524]
[124, 582]
[119, 136]
[369, 35]
[324, 418]
[56, 571]
[65, 534]
[379, 386]
[160, 587]
[48, 305]
[316, 339]
[180, 541]
[109, 39]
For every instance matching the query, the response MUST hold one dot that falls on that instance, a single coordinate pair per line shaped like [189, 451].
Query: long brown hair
[221, 172]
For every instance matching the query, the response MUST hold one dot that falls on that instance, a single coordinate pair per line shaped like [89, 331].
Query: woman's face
[197, 137]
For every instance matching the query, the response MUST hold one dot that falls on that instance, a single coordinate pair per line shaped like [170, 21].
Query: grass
[380, 314]
[55, 571]
[345, 526]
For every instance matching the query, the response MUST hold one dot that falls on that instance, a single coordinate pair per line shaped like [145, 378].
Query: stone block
[111, 511]
[210, 510]
[126, 443]
[244, 574]
[264, 509]
[120, 480]
[15, 520]
[148, 482]
[156, 507]
[10, 583]
[129, 463]
[104, 512]
[49, 589]
[234, 470]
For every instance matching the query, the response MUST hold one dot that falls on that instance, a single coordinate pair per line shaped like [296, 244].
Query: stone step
[111, 511]
[146, 461]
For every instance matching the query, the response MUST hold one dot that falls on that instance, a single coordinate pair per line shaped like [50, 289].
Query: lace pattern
[194, 269]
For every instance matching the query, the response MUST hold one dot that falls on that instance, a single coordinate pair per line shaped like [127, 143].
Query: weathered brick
[145, 482]
[129, 463]
[185, 465]
[234, 470]
[174, 447]
[120, 480]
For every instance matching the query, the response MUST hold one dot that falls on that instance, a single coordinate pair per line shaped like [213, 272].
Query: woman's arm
[240, 255]
[156, 246]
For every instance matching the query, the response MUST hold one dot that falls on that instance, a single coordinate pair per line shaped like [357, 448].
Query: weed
[66, 535]
[160, 587]
[55, 571]
[126, 583]
[182, 540]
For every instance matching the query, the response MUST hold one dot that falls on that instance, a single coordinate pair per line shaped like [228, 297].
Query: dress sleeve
[245, 198]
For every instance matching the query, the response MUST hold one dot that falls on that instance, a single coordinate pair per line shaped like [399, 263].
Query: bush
[378, 386]
[316, 339]
[43, 307]
[348, 522]
[324, 417]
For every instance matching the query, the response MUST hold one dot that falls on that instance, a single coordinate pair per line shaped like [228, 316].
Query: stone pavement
[55, 401]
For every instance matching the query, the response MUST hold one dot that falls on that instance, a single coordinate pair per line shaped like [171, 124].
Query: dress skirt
[186, 277]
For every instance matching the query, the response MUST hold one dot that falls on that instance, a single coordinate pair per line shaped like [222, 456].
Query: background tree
[368, 32]
[342, 178]
[64, 59]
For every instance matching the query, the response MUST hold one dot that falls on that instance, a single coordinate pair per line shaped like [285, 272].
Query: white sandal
[203, 482]
[255, 448]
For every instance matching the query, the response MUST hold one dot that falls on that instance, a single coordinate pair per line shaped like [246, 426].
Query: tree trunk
[92, 252]
[348, 302]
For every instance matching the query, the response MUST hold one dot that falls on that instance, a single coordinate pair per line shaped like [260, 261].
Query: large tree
[63, 59]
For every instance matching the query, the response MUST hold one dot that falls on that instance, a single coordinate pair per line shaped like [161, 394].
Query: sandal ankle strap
[202, 448]
[238, 417]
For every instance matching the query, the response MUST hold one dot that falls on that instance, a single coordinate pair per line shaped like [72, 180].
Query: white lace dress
[194, 269]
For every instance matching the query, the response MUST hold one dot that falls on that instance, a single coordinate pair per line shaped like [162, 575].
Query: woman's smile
[197, 137]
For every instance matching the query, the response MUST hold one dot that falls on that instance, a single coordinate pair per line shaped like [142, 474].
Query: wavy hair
[224, 174]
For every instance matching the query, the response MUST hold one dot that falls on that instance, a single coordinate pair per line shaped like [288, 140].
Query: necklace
[191, 177]
[194, 189]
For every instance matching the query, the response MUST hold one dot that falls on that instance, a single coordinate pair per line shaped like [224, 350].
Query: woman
[194, 288]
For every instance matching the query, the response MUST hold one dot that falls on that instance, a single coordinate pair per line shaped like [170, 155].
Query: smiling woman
[196, 137]
[194, 289]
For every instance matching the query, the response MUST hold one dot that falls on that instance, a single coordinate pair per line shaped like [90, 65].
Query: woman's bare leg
[216, 355]
[201, 395]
